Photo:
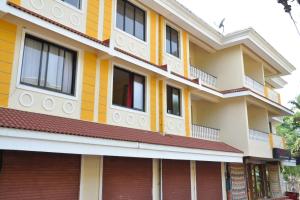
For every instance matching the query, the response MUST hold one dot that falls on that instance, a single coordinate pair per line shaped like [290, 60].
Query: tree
[290, 130]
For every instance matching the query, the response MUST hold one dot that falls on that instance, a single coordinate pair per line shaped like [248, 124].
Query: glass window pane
[169, 100]
[122, 89]
[31, 61]
[53, 68]
[139, 23]
[174, 43]
[75, 3]
[120, 14]
[138, 96]
[175, 100]
[168, 40]
[68, 73]
[129, 19]
[44, 64]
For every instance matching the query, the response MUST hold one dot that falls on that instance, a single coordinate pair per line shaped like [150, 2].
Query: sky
[268, 18]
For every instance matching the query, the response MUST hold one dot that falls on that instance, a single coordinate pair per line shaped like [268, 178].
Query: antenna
[221, 25]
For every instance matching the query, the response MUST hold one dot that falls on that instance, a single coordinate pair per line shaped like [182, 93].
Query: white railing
[277, 141]
[274, 96]
[254, 85]
[206, 78]
[206, 133]
[258, 135]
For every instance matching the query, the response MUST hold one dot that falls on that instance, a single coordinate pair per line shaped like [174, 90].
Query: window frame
[134, 17]
[178, 42]
[79, 6]
[44, 88]
[131, 74]
[179, 100]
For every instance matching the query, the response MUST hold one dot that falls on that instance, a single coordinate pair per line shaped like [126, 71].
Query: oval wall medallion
[37, 4]
[132, 47]
[142, 121]
[48, 103]
[74, 19]
[119, 41]
[57, 12]
[130, 119]
[116, 117]
[26, 99]
[68, 107]
[171, 125]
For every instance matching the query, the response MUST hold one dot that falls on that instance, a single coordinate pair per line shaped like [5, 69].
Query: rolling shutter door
[127, 178]
[35, 176]
[176, 180]
[209, 181]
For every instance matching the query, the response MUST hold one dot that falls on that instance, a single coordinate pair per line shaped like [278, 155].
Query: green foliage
[290, 130]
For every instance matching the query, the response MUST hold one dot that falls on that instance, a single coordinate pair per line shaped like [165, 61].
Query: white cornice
[276, 82]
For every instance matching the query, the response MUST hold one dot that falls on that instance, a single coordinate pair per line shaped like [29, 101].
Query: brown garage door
[31, 175]
[209, 181]
[176, 180]
[127, 178]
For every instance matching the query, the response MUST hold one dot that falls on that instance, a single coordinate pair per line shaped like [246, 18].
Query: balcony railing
[272, 95]
[205, 78]
[258, 135]
[277, 141]
[206, 133]
[254, 85]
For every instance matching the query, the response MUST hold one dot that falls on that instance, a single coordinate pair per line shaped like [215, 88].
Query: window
[172, 42]
[128, 89]
[131, 19]
[48, 66]
[173, 101]
[75, 3]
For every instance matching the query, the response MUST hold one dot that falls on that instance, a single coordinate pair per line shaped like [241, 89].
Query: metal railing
[277, 141]
[254, 85]
[258, 135]
[206, 133]
[206, 78]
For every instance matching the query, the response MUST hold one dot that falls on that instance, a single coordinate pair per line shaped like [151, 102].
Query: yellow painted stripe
[153, 37]
[8, 34]
[153, 101]
[161, 106]
[161, 39]
[102, 111]
[266, 91]
[187, 112]
[18, 2]
[107, 23]
[88, 86]
[92, 18]
[185, 53]
[271, 140]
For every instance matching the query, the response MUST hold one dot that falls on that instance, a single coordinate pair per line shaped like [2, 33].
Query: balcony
[277, 141]
[258, 136]
[254, 85]
[205, 78]
[205, 133]
[272, 95]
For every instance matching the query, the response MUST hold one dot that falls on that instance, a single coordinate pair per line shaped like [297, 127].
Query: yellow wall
[90, 177]
[92, 18]
[161, 105]
[88, 86]
[153, 37]
[104, 72]
[107, 21]
[8, 33]
[153, 104]
[18, 2]
[161, 39]
[187, 112]
[185, 42]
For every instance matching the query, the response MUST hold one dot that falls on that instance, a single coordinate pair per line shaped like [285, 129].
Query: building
[140, 100]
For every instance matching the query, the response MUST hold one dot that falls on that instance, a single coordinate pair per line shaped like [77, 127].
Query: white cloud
[268, 18]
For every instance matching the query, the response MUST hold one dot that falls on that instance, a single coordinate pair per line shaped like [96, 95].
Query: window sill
[129, 110]
[174, 116]
[173, 57]
[131, 36]
[46, 92]
[80, 10]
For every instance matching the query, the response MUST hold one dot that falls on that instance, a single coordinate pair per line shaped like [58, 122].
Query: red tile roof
[16, 119]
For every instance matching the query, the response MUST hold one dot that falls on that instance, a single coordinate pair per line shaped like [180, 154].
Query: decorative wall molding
[68, 107]
[26, 99]
[48, 103]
